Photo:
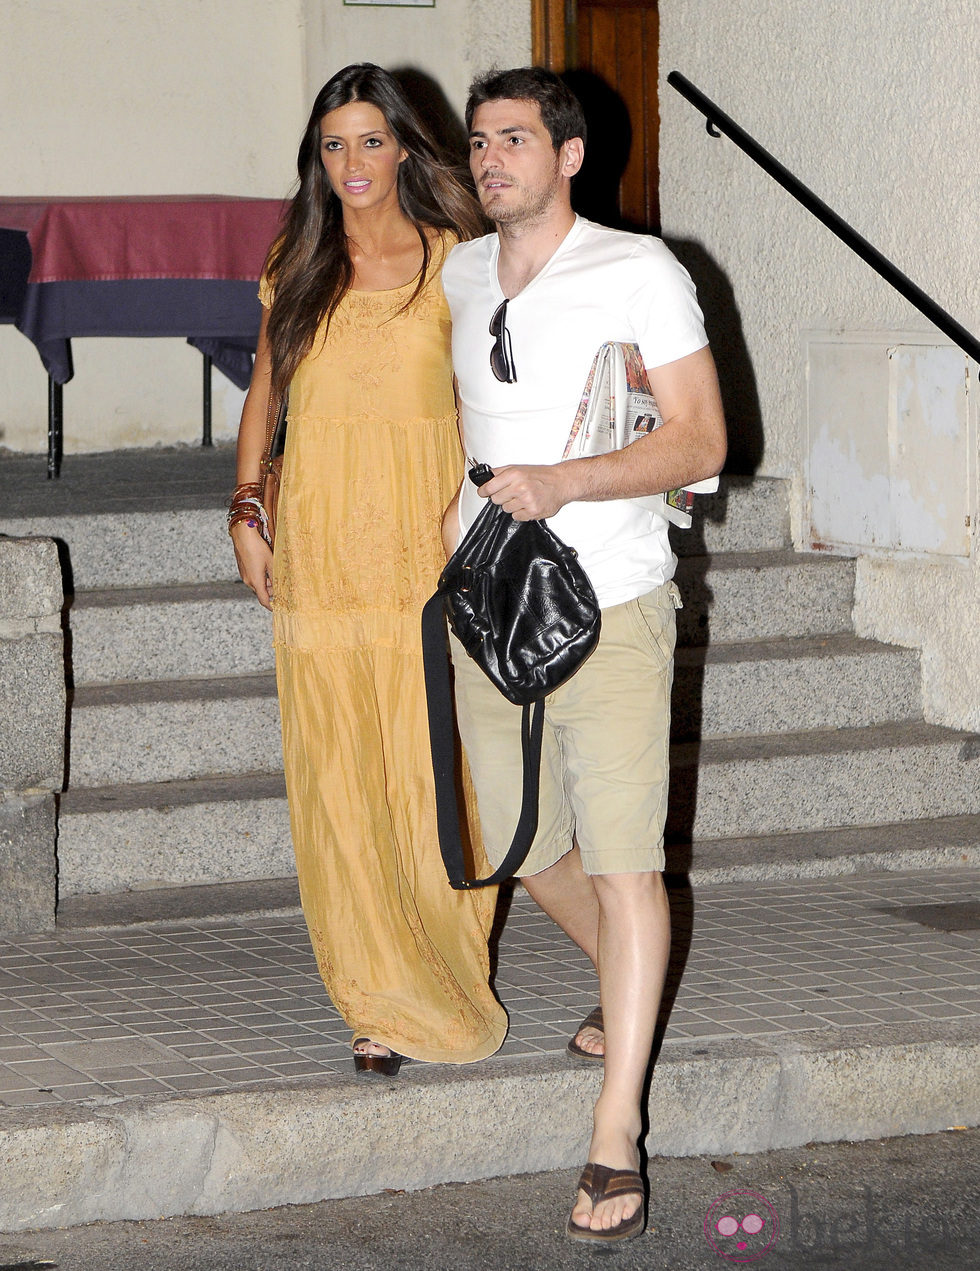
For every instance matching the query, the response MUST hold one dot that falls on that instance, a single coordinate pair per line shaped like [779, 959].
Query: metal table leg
[56, 419]
[55, 428]
[206, 437]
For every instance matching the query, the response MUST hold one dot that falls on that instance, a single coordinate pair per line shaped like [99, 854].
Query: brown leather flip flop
[592, 1020]
[601, 1182]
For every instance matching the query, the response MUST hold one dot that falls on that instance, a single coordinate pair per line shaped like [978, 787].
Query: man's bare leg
[567, 895]
[634, 945]
[622, 921]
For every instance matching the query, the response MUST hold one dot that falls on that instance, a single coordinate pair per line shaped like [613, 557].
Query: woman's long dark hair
[309, 267]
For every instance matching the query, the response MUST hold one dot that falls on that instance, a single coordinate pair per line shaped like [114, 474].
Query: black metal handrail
[718, 122]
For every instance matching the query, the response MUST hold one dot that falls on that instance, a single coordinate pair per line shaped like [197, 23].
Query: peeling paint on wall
[889, 442]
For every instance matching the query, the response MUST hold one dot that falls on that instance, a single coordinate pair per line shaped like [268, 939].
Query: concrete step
[274, 1144]
[747, 514]
[178, 729]
[940, 843]
[739, 786]
[774, 685]
[219, 629]
[763, 596]
[137, 549]
[237, 827]
[946, 843]
[259, 897]
[199, 1067]
[129, 518]
[113, 838]
[174, 730]
[127, 546]
[169, 633]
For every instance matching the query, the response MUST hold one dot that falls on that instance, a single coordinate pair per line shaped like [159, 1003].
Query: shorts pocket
[654, 620]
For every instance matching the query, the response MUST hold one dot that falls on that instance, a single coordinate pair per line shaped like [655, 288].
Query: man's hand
[533, 492]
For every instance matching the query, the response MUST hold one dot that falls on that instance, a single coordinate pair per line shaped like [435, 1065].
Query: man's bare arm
[690, 446]
[450, 525]
[450, 518]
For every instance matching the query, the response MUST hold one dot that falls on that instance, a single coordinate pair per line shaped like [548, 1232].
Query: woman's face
[360, 156]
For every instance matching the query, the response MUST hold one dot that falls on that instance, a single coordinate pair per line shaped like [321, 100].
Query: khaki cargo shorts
[604, 758]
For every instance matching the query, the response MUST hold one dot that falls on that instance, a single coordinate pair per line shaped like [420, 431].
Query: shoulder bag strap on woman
[275, 429]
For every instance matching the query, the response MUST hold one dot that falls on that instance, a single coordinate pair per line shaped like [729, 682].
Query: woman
[357, 327]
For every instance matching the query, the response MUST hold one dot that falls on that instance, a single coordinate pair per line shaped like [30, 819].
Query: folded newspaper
[617, 408]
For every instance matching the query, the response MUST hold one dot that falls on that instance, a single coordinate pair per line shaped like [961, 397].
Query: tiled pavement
[93, 1016]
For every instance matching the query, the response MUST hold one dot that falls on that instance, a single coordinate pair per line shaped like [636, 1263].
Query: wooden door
[608, 52]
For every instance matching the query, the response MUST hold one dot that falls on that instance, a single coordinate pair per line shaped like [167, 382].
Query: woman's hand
[254, 557]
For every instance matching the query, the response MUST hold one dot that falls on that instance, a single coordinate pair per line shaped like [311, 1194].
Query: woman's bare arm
[251, 550]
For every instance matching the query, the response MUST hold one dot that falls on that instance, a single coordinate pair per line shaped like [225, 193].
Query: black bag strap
[439, 696]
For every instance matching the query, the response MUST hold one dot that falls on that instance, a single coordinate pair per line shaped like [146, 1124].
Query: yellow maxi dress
[372, 458]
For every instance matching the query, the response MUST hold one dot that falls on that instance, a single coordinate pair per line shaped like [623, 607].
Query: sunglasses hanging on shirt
[502, 355]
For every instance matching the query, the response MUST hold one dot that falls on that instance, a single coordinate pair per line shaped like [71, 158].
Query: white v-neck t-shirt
[600, 284]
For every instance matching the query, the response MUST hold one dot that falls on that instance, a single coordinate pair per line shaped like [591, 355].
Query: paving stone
[32, 723]
[30, 579]
[27, 862]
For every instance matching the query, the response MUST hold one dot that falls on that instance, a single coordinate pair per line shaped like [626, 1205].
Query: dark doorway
[609, 48]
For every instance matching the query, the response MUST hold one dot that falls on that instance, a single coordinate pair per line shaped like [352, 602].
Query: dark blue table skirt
[15, 265]
[218, 317]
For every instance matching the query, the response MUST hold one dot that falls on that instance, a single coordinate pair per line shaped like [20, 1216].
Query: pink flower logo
[741, 1226]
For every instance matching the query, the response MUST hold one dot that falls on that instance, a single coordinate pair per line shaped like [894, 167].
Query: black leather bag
[522, 607]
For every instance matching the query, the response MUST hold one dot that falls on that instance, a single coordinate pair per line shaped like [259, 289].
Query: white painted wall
[186, 97]
[873, 106]
[158, 97]
[452, 42]
[122, 97]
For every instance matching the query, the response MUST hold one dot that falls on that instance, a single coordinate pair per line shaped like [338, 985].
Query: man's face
[517, 173]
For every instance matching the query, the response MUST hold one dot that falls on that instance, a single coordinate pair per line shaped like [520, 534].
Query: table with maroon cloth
[160, 266]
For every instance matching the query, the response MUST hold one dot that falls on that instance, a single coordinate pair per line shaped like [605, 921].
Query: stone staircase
[790, 733]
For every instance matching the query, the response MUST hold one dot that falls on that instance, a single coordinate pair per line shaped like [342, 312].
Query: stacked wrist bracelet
[246, 505]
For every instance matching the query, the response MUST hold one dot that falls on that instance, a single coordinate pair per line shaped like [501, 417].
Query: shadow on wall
[595, 190]
[433, 106]
[595, 195]
[723, 323]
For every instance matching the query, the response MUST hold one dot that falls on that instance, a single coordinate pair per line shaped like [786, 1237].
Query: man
[595, 865]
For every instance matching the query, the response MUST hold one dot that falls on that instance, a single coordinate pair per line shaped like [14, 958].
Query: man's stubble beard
[522, 215]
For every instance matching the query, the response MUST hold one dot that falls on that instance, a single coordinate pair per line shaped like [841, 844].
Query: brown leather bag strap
[275, 428]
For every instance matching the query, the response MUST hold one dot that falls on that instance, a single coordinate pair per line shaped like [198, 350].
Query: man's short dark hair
[561, 111]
